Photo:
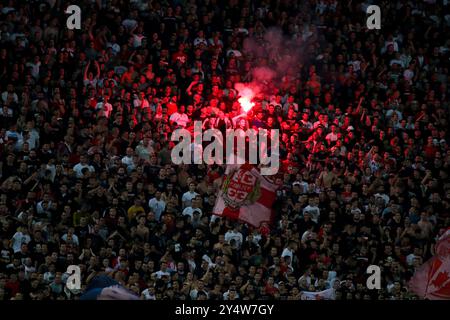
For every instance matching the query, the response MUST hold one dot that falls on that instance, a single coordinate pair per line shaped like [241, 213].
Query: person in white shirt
[78, 168]
[89, 79]
[305, 121]
[355, 62]
[49, 276]
[157, 205]
[332, 136]
[31, 135]
[180, 117]
[19, 238]
[313, 210]
[163, 271]
[302, 185]
[6, 112]
[138, 36]
[416, 254]
[408, 74]
[141, 101]
[128, 159]
[323, 121]
[189, 211]
[200, 39]
[388, 43]
[43, 206]
[231, 294]
[104, 106]
[308, 234]
[200, 288]
[306, 277]
[289, 251]
[71, 235]
[189, 195]
[383, 196]
[29, 268]
[145, 148]
[35, 66]
[234, 234]
[149, 293]
[10, 93]
[113, 45]
[129, 23]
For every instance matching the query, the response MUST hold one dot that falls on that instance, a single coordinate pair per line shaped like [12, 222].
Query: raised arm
[86, 70]
[97, 67]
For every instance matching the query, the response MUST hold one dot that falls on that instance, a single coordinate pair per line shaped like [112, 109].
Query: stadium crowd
[87, 178]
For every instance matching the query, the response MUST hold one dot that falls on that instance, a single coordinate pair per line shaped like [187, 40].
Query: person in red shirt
[430, 149]
[270, 288]
[347, 193]
[172, 106]
[180, 57]
[13, 285]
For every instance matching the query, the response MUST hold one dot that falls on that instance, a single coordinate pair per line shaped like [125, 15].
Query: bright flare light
[246, 104]
[245, 100]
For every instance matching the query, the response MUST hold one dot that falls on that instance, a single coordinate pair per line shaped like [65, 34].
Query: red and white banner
[432, 279]
[246, 195]
[328, 294]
